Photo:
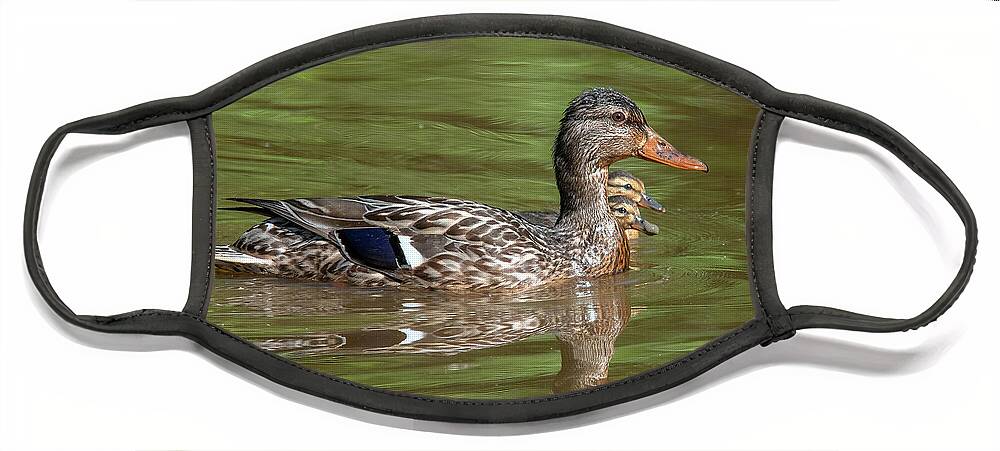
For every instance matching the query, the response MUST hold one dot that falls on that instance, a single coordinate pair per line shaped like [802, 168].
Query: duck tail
[230, 259]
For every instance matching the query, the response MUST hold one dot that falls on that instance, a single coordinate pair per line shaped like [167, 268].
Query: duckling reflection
[585, 316]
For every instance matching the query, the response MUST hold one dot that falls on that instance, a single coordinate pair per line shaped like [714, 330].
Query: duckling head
[626, 213]
[623, 183]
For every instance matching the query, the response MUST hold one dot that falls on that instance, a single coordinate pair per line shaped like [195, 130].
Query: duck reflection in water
[585, 316]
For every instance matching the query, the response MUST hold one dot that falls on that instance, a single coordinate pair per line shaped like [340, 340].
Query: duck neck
[595, 242]
[583, 198]
[582, 183]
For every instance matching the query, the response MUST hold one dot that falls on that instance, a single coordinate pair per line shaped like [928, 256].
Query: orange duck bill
[660, 151]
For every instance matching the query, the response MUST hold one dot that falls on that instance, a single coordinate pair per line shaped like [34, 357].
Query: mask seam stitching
[753, 224]
[202, 309]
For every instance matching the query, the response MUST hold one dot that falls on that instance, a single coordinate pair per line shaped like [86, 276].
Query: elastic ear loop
[148, 321]
[856, 122]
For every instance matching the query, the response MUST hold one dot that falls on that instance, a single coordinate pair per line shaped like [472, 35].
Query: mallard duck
[281, 248]
[442, 243]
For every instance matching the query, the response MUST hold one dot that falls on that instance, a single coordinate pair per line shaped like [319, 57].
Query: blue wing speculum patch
[374, 247]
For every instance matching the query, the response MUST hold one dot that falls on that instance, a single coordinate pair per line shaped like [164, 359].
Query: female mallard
[437, 242]
[278, 247]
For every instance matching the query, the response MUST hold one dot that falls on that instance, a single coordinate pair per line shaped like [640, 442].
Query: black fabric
[760, 180]
[202, 215]
[771, 323]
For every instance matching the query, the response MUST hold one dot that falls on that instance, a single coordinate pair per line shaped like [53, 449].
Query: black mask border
[771, 323]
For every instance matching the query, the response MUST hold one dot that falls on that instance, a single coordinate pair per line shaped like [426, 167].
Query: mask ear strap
[852, 121]
[148, 321]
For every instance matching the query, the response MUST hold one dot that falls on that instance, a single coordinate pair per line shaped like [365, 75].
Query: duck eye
[618, 116]
[620, 210]
[628, 186]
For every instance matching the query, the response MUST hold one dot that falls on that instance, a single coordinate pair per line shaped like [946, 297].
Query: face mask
[486, 218]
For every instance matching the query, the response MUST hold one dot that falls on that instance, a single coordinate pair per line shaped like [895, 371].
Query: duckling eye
[628, 186]
[620, 210]
[618, 116]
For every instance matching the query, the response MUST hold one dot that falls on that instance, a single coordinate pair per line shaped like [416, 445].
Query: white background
[852, 228]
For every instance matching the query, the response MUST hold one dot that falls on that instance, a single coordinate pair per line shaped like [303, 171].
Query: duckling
[620, 183]
[626, 212]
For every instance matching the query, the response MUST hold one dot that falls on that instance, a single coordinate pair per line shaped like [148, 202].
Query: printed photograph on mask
[483, 217]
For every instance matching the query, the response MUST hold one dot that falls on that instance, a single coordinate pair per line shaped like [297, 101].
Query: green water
[475, 118]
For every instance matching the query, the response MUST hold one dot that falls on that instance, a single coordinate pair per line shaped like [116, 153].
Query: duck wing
[320, 215]
[433, 241]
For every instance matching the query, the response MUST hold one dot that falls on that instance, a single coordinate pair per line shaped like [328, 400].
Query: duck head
[623, 183]
[626, 212]
[603, 125]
